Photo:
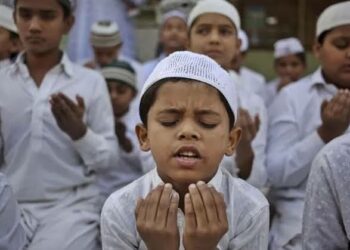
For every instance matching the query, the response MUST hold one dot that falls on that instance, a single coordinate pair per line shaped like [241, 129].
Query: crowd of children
[191, 150]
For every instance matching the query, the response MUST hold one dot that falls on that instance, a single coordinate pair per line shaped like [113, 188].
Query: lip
[187, 162]
[213, 53]
[34, 39]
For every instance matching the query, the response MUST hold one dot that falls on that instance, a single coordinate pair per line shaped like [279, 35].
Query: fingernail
[192, 186]
[175, 196]
[187, 196]
[168, 186]
[210, 185]
[200, 183]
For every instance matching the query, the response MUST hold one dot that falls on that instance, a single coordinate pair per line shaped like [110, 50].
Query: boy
[173, 37]
[213, 27]
[9, 40]
[12, 235]
[121, 82]
[188, 134]
[290, 65]
[326, 213]
[304, 117]
[253, 81]
[52, 144]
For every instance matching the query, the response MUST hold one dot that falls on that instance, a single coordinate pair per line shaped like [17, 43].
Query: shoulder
[253, 74]
[245, 199]
[89, 75]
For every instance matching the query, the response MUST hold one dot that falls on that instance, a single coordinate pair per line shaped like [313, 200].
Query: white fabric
[293, 142]
[33, 142]
[105, 28]
[148, 67]
[185, 64]
[244, 40]
[253, 81]
[12, 234]
[221, 7]
[5, 63]
[247, 211]
[105, 34]
[287, 46]
[173, 13]
[271, 91]
[326, 223]
[129, 165]
[255, 106]
[335, 15]
[6, 18]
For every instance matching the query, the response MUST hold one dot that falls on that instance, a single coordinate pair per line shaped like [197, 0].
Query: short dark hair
[65, 4]
[322, 36]
[149, 98]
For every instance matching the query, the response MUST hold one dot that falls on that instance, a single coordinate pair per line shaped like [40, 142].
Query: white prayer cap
[120, 71]
[333, 16]
[173, 13]
[215, 6]
[244, 40]
[105, 34]
[189, 65]
[288, 46]
[6, 18]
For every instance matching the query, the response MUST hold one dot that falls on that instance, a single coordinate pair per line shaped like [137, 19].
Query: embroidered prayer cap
[244, 40]
[173, 13]
[185, 6]
[198, 67]
[6, 18]
[120, 71]
[105, 34]
[287, 46]
[215, 6]
[335, 15]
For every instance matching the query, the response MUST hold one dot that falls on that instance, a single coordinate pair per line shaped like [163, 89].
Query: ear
[317, 49]
[142, 136]
[234, 138]
[16, 45]
[69, 22]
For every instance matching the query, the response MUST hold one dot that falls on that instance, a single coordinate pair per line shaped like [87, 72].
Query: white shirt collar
[65, 65]
[317, 79]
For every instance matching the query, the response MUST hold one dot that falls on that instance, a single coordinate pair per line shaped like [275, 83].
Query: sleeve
[255, 234]
[98, 147]
[1, 146]
[322, 224]
[115, 230]
[289, 153]
[258, 176]
[12, 235]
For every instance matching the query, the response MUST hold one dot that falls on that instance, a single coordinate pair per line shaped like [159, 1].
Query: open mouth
[187, 156]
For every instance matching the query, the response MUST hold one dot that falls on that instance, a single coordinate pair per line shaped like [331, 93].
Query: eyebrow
[220, 25]
[21, 8]
[206, 112]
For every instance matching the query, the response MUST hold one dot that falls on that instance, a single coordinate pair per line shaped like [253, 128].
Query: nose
[188, 131]
[34, 24]
[214, 36]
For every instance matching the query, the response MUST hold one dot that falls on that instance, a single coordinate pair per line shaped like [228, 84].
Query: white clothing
[326, 223]
[255, 106]
[254, 82]
[148, 67]
[128, 167]
[293, 142]
[271, 91]
[5, 63]
[247, 212]
[46, 169]
[12, 235]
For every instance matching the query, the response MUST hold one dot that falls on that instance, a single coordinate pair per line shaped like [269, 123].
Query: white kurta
[254, 81]
[293, 142]
[255, 106]
[271, 91]
[326, 219]
[52, 176]
[12, 235]
[247, 211]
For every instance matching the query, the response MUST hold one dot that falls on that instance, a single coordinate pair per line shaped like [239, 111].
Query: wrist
[79, 134]
[324, 134]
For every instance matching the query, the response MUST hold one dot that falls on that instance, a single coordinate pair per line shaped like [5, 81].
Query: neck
[182, 190]
[168, 51]
[329, 80]
[39, 64]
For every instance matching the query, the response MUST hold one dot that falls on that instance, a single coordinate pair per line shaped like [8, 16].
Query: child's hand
[68, 115]
[244, 152]
[205, 217]
[335, 115]
[156, 219]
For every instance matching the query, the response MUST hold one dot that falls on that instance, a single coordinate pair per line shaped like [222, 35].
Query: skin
[197, 120]
[173, 35]
[289, 69]
[334, 57]
[215, 35]
[41, 25]
[105, 56]
[8, 45]
[121, 97]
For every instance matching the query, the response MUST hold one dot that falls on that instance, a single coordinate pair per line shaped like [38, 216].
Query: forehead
[340, 31]
[213, 19]
[288, 58]
[187, 92]
[46, 5]
[175, 21]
